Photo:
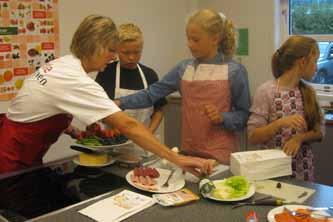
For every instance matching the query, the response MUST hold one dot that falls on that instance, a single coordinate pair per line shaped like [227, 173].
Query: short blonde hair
[93, 35]
[213, 23]
[129, 32]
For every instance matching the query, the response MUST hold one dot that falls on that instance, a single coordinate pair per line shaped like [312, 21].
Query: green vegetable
[90, 141]
[233, 187]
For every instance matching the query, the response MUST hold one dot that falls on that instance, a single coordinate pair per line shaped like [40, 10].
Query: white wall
[162, 23]
[259, 17]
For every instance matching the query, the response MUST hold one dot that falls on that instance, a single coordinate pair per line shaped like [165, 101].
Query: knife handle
[276, 202]
[82, 149]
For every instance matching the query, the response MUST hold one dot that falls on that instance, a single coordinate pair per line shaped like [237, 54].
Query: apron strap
[144, 81]
[118, 76]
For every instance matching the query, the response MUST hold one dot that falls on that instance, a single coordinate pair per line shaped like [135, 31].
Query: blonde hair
[284, 59]
[129, 32]
[94, 34]
[213, 23]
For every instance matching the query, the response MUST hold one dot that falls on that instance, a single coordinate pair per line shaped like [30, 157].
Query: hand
[292, 146]
[93, 129]
[151, 130]
[213, 114]
[294, 121]
[75, 133]
[197, 166]
[117, 102]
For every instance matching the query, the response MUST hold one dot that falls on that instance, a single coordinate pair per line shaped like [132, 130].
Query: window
[315, 19]
[311, 17]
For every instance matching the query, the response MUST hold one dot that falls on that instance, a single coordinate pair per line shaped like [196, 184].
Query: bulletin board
[29, 37]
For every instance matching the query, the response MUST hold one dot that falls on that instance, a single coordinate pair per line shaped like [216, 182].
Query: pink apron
[24, 144]
[208, 84]
[286, 103]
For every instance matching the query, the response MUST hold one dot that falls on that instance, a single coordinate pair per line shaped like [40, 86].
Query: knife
[267, 201]
[82, 149]
[321, 208]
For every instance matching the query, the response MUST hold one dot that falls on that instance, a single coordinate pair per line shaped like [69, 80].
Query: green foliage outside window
[311, 17]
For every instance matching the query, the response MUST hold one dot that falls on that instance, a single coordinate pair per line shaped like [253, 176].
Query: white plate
[176, 182]
[77, 161]
[277, 210]
[104, 148]
[250, 193]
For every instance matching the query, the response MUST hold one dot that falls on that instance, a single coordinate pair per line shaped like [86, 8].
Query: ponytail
[312, 111]
[275, 65]
[228, 39]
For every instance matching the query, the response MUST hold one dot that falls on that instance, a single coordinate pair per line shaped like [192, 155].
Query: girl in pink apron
[214, 89]
[285, 113]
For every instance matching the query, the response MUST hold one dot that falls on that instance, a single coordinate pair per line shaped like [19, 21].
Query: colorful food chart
[29, 37]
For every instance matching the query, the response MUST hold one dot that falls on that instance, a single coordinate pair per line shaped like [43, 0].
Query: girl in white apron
[285, 114]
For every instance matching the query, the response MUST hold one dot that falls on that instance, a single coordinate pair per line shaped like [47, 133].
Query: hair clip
[222, 16]
[279, 51]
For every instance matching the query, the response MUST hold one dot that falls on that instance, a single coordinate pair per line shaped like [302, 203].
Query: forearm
[262, 134]
[309, 136]
[140, 135]
[156, 119]
[138, 100]
[148, 97]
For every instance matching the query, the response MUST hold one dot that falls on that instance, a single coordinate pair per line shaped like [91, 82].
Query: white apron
[142, 115]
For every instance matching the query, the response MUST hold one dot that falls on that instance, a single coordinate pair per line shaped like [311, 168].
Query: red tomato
[136, 171]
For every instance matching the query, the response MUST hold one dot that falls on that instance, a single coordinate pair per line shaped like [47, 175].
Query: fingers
[286, 150]
[295, 121]
[291, 148]
[199, 166]
[289, 151]
[209, 165]
[299, 122]
[193, 171]
[213, 113]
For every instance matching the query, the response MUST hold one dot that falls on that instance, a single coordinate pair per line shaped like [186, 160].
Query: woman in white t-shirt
[61, 90]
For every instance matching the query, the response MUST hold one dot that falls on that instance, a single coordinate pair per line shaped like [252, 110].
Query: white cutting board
[288, 192]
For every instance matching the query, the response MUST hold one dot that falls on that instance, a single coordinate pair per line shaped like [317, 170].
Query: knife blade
[82, 149]
[321, 208]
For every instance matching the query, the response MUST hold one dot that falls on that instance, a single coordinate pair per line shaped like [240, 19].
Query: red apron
[208, 84]
[24, 144]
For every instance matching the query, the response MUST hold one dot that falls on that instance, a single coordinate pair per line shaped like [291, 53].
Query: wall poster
[29, 37]
[242, 42]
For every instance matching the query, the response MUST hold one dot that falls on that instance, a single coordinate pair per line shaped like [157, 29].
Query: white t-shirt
[61, 86]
